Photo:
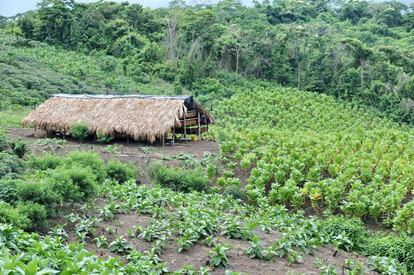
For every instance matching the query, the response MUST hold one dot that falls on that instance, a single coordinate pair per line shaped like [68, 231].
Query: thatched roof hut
[145, 118]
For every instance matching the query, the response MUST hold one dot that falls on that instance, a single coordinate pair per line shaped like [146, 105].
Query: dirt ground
[238, 260]
[139, 154]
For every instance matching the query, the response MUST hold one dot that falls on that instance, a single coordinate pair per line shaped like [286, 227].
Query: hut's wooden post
[173, 137]
[185, 129]
[163, 140]
[199, 129]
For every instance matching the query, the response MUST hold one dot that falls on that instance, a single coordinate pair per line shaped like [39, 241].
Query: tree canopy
[356, 50]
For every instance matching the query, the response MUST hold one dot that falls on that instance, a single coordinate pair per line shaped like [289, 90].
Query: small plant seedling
[101, 242]
[113, 148]
[218, 256]
[256, 250]
[120, 245]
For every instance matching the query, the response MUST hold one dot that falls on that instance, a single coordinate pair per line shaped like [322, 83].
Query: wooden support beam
[163, 141]
[190, 121]
[185, 130]
[173, 137]
[191, 130]
[199, 129]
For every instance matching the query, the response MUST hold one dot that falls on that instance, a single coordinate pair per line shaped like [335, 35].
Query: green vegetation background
[355, 50]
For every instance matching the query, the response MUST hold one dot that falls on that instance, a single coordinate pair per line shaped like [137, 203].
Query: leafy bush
[347, 234]
[12, 215]
[74, 183]
[121, 172]
[40, 192]
[10, 165]
[385, 265]
[102, 138]
[79, 131]
[45, 162]
[179, 179]
[236, 192]
[88, 159]
[19, 148]
[404, 219]
[3, 142]
[218, 256]
[354, 237]
[400, 248]
[35, 212]
[230, 181]
[8, 190]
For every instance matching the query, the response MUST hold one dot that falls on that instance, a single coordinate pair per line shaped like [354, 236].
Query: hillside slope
[32, 70]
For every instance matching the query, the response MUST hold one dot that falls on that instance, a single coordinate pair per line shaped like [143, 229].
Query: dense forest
[355, 50]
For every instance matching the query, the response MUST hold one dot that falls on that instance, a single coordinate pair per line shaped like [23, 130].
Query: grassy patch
[12, 118]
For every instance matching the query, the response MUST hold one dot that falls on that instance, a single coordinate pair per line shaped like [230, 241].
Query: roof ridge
[102, 96]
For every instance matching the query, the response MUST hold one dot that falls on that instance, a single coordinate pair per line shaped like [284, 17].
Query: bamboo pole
[199, 129]
[173, 137]
[185, 129]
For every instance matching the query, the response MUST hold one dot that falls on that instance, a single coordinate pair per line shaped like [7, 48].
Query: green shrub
[45, 162]
[179, 179]
[35, 212]
[74, 183]
[88, 159]
[10, 165]
[400, 248]
[12, 215]
[404, 219]
[79, 131]
[40, 192]
[345, 233]
[3, 142]
[231, 181]
[386, 265]
[236, 192]
[19, 148]
[121, 172]
[8, 190]
[102, 138]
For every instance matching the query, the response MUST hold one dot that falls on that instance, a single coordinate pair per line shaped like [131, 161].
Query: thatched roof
[139, 117]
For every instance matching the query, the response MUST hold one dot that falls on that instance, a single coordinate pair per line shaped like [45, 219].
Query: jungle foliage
[354, 50]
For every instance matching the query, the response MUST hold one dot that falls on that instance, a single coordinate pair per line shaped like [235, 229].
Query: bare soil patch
[139, 154]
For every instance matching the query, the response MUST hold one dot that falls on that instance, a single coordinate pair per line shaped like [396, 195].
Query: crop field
[283, 195]
[304, 150]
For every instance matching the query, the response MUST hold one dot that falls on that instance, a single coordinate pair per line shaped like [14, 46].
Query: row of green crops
[190, 219]
[303, 149]
[187, 219]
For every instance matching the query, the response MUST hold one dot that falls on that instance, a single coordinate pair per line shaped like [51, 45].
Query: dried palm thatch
[145, 118]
